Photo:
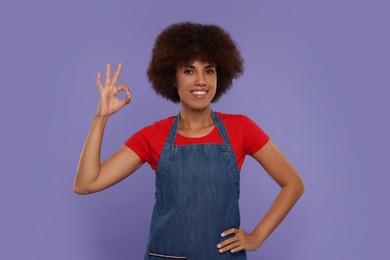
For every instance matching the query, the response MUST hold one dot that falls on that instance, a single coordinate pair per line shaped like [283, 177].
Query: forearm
[89, 163]
[283, 203]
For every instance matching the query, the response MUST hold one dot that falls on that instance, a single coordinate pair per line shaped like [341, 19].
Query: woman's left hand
[240, 241]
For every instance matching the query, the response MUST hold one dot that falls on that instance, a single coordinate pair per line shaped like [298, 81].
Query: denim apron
[197, 192]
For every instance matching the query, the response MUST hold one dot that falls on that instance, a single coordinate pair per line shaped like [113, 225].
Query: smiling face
[196, 84]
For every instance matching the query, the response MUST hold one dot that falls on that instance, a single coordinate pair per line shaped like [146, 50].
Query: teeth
[199, 92]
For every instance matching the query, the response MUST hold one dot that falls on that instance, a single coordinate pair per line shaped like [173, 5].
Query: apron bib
[197, 192]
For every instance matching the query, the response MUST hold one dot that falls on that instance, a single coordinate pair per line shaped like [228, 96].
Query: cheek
[182, 81]
[213, 82]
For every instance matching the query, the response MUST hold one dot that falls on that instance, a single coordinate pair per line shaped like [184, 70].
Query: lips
[199, 93]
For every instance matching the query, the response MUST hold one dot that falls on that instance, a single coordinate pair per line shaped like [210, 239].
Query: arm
[92, 176]
[292, 187]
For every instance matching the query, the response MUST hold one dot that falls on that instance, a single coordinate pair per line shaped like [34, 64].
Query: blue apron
[197, 192]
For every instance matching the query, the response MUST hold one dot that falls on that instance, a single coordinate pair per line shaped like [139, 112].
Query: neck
[195, 119]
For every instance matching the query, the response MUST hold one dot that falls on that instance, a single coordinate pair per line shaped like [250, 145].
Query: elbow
[300, 187]
[296, 187]
[79, 190]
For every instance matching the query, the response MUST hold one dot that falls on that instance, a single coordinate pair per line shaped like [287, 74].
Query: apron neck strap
[218, 123]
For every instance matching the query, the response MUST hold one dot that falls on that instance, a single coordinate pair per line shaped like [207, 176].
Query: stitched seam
[236, 179]
[167, 256]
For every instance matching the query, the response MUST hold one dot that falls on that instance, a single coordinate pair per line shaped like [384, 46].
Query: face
[196, 84]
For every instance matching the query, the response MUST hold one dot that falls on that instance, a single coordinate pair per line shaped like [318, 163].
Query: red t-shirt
[245, 137]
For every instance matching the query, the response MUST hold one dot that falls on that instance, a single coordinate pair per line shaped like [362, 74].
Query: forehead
[197, 63]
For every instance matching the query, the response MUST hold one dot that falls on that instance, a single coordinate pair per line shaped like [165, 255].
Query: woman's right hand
[109, 102]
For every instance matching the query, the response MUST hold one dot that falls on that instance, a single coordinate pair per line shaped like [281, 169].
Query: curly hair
[185, 42]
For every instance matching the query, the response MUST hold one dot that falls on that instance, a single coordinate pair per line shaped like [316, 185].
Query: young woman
[197, 155]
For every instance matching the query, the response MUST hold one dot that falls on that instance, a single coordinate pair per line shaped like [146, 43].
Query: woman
[197, 155]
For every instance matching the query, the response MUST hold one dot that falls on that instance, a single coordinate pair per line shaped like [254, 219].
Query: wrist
[259, 236]
[100, 119]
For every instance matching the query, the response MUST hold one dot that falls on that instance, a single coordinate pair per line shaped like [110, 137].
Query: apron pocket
[162, 256]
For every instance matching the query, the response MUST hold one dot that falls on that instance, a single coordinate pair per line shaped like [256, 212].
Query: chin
[197, 107]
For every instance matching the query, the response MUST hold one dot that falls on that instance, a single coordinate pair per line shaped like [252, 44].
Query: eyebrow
[193, 67]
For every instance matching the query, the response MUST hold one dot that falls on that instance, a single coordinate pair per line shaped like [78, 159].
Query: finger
[229, 232]
[237, 249]
[117, 73]
[124, 88]
[127, 99]
[124, 102]
[227, 242]
[99, 81]
[108, 72]
[230, 247]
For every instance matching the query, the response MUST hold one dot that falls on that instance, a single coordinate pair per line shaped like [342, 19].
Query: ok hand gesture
[109, 102]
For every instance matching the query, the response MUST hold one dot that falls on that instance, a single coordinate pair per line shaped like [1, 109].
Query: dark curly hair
[185, 42]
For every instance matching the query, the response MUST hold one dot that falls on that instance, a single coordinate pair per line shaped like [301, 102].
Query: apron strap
[218, 123]
[172, 132]
[221, 127]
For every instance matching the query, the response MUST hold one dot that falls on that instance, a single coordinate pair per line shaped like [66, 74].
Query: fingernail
[222, 235]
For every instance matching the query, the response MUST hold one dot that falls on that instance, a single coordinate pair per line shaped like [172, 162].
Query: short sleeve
[254, 137]
[138, 143]
[148, 142]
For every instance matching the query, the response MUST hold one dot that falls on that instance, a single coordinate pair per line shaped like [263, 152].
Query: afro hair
[185, 42]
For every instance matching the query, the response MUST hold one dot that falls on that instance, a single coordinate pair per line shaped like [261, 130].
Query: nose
[200, 80]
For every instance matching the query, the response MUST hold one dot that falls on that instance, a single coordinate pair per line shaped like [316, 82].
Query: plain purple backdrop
[316, 80]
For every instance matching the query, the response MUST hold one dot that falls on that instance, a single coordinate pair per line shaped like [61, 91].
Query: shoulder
[161, 126]
[241, 125]
[244, 133]
[149, 134]
[148, 142]
[231, 120]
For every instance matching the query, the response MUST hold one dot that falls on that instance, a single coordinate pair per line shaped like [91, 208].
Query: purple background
[316, 80]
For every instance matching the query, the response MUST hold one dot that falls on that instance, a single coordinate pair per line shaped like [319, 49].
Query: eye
[188, 71]
[210, 71]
